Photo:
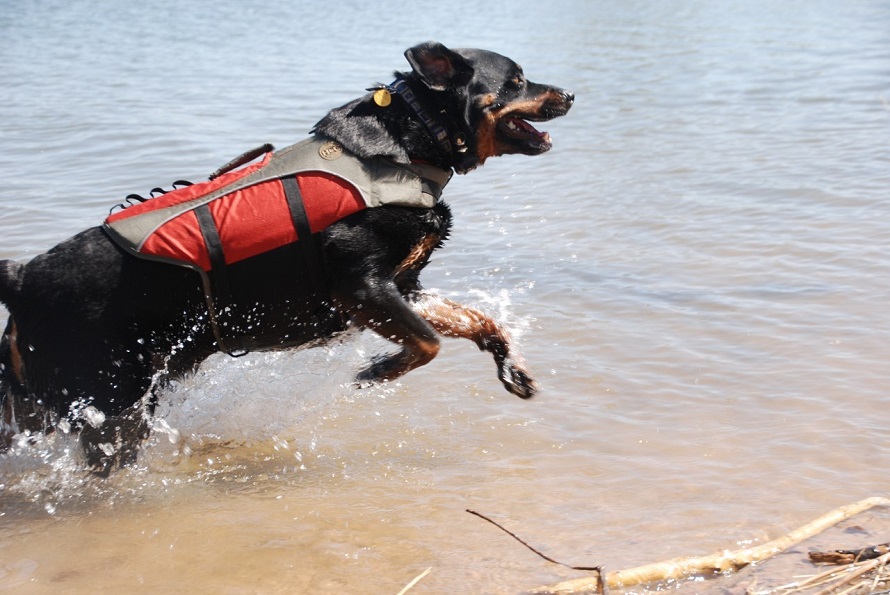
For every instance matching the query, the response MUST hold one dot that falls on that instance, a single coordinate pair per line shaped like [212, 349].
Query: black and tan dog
[95, 328]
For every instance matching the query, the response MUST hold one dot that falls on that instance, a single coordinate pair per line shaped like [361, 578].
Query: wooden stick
[811, 581]
[879, 574]
[679, 568]
[415, 581]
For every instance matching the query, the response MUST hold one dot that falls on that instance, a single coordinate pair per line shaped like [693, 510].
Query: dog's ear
[438, 67]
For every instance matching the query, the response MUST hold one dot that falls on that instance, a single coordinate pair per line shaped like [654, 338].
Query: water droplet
[93, 416]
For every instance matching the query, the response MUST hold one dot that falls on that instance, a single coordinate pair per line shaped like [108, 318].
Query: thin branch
[415, 581]
[603, 588]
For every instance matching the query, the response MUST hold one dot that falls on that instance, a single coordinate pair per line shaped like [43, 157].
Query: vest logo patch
[330, 150]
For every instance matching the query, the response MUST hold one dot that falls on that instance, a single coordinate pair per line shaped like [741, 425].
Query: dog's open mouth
[518, 132]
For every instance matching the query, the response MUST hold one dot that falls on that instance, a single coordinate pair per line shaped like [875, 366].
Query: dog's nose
[569, 97]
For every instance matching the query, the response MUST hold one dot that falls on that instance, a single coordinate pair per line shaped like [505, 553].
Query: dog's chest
[431, 232]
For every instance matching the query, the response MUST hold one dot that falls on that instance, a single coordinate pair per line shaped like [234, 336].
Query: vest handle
[241, 159]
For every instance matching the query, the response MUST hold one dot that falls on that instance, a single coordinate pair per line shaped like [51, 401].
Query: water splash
[223, 419]
[232, 421]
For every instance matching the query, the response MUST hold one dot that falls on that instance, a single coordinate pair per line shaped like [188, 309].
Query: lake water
[698, 274]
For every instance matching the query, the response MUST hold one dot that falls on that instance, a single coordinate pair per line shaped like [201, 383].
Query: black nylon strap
[215, 251]
[218, 275]
[431, 188]
[435, 128]
[306, 240]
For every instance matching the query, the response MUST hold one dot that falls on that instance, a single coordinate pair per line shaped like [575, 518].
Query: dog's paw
[364, 380]
[516, 380]
[374, 373]
[361, 383]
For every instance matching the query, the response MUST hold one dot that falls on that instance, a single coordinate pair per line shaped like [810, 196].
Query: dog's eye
[517, 81]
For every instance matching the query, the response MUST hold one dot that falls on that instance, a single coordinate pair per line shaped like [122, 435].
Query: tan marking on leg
[455, 320]
[18, 366]
[452, 319]
[419, 253]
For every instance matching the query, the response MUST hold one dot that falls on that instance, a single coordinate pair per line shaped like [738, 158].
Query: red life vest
[249, 207]
[249, 220]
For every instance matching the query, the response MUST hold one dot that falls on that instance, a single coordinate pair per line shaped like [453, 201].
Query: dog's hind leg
[456, 320]
[113, 442]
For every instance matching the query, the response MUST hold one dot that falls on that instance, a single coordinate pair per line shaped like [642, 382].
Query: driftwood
[723, 562]
[849, 556]
[849, 579]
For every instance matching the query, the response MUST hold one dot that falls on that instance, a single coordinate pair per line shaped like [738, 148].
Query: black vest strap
[215, 251]
[220, 278]
[305, 240]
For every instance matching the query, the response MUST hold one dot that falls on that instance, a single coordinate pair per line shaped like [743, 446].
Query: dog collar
[437, 131]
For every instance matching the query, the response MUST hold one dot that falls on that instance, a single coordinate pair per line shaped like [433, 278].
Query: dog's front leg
[377, 305]
[456, 320]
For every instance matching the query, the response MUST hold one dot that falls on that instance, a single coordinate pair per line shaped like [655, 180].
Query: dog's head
[484, 102]
[456, 108]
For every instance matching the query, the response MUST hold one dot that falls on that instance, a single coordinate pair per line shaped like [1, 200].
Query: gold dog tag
[382, 97]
